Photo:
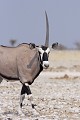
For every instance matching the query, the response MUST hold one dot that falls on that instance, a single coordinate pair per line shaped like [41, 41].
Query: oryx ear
[54, 45]
[32, 45]
[47, 31]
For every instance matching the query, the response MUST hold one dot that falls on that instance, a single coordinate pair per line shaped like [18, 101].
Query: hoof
[33, 105]
[21, 105]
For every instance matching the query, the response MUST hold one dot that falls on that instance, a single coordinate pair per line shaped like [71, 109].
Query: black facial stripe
[45, 57]
[31, 62]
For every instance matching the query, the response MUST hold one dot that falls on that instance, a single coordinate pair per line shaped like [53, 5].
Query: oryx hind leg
[1, 79]
[26, 90]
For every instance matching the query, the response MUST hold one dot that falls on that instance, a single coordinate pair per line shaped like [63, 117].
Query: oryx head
[44, 50]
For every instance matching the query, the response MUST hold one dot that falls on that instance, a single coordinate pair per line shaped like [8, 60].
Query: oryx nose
[46, 65]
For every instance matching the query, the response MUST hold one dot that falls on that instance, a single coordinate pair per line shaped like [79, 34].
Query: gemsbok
[24, 63]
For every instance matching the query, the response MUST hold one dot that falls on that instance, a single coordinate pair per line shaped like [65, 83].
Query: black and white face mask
[44, 54]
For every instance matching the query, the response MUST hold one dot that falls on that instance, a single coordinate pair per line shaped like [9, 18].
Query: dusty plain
[56, 91]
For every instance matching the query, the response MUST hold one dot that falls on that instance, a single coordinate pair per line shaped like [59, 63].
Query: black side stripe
[31, 62]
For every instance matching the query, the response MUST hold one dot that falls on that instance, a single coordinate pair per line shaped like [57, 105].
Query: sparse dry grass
[65, 60]
[65, 55]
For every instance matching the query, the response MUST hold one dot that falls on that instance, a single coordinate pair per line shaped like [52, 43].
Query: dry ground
[56, 92]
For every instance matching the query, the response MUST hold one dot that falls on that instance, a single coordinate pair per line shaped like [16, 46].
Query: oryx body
[22, 63]
[19, 63]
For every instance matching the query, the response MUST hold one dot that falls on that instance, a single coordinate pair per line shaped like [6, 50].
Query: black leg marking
[21, 105]
[33, 106]
[25, 90]
[1, 79]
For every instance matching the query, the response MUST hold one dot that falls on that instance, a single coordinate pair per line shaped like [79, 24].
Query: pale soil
[56, 92]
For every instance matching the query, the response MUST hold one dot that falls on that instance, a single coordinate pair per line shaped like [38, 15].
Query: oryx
[24, 63]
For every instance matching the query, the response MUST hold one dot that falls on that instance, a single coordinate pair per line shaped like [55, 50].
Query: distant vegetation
[59, 47]
[13, 42]
[63, 47]
[77, 44]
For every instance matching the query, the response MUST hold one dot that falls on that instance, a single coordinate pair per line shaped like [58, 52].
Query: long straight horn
[47, 31]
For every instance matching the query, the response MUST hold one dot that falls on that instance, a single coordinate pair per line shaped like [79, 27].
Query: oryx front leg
[26, 89]
[22, 96]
